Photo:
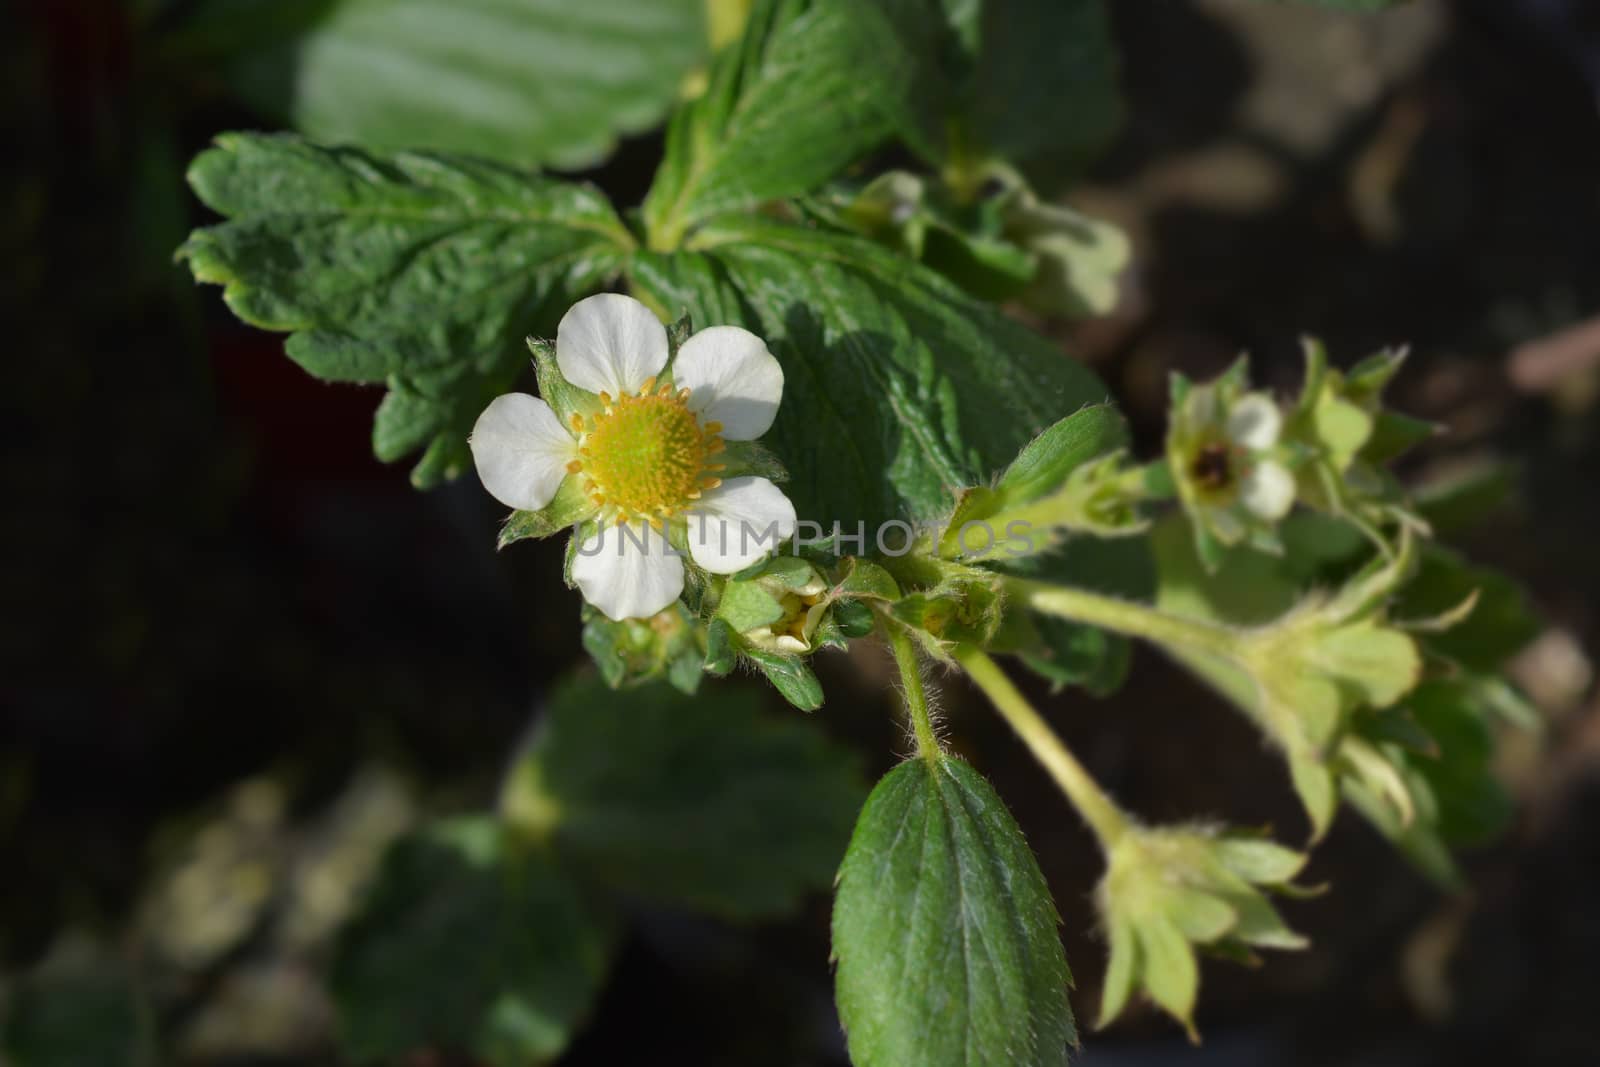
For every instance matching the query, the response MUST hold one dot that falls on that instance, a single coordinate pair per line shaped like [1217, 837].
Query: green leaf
[895, 382]
[416, 269]
[812, 87]
[944, 930]
[1045, 462]
[790, 676]
[1501, 621]
[533, 82]
[1030, 82]
[473, 943]
[1070, 653]
[77, 1012]
[702, 802]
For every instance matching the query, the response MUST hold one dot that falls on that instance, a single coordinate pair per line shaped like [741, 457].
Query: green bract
[1168, 890]
[1345, 434]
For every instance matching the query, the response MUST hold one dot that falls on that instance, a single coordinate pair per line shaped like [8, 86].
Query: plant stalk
[1098, 810]
[1130, 618]
[905, 657]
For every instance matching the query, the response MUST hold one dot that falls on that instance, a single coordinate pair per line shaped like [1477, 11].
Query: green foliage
[1440, 745]
[1068, 479]
[1499, 625]
[471, 941]
[414, 269]
[790, 676]
[1029, 82]
[1345, 435]
[86, 1013]
[1168, 890]
[892, 376]
[1008, 245]
[944, 930]
[1060, 511]
[1414, 762]
[635, 651]
[811, 88]
[529, 83]
[703, 802]
[909, 397]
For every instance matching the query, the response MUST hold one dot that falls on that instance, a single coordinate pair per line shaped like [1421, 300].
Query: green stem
[1098, 810]
[1130, 618]
[905, 657]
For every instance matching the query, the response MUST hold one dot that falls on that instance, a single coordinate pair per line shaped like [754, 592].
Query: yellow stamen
[713, 427]
[646, 453]
[575, 466]
[648, 386]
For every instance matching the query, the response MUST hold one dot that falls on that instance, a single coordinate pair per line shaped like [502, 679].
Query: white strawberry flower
[1266, 487]
[647, 453]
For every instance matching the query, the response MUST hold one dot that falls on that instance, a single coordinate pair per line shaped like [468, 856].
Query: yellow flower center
[646, 457]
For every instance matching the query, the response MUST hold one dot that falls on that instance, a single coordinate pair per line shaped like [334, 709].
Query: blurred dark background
[240, 655]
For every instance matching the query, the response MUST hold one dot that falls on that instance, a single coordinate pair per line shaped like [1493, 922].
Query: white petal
[739, 523]
[628, 572]
[732, 379]
[1254, 422]
[521, 450]
[610, 343]
[1268, 490]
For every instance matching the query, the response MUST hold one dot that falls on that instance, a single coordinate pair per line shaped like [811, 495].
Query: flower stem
[1130, 618]
[1098, 810]
[905, 657]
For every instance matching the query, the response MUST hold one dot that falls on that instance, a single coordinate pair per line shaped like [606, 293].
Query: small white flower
[1255, 422]
[1266, 488]
[647, 456]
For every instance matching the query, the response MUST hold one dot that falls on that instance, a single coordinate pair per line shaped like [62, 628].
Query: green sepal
[722, 649]
[790, 676]
[1169, 891]
[568, 508]
[670, 646]
[865, 579]
[853, 618]
[750, 458]
[563, 397]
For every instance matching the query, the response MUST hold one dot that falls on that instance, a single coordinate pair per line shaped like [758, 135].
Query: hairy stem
[905, 657]
[1098, 810]
[1132, 619]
